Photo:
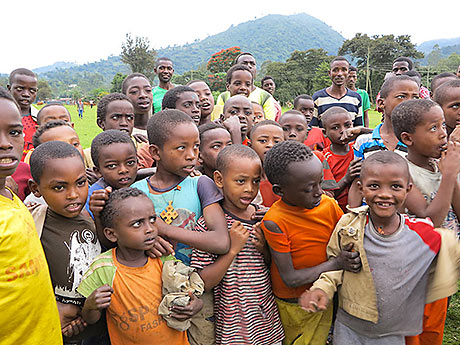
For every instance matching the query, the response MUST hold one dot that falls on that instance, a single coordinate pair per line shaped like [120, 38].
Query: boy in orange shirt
[297, 229]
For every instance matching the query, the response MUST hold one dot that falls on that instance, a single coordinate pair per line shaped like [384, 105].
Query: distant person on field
[22, 84]
[351, 84]
[80, 108]
[164, 69]
[337, 94]
[268, 84]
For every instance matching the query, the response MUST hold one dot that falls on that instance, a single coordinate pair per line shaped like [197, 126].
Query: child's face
[118, 164]
[24, 90]
[213, 141]
[179, 154]
[11, 138]
[339, 72]
[63, 185]
[306, 107]
[351, 80]
[401, 91]
[189, 103]
[164, 70]
[258, 113]
[451, 107]
[303, 183]
[139, 91]
[135, 227]
[241, 107]
[264, 138]
[240, 84]
[336, 125]
[430, 137]
[63, 133]
[384, 188]
[54, 112]
[119, 116]
[240, 183]
[294, 127]
[269, 86]
[205, 96]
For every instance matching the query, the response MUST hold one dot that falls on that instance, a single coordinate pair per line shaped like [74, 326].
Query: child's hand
[195, 173]
[260, 213]
[450, 159]
[140, 138]
[184, 313]
[350, 134]
[75, 327]
[455, 135]
[238, 237]
[348, 259]
[99, 298]
[160, 248]
[71, 321]
[353, 170]
[314, 301]
[259, 242]
[328, 193]
[233, 122]
[98, 199]
[91, 176]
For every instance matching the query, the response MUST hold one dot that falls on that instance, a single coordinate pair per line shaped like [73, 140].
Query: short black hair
[278, 158]
[106, 138]
[238, 67]
[385, 158]
[339, 58]
[51, 104]
[49, 151]
[440, 94]
[44, 128]
[407, 115]
[264, 123]
[302, 96]
[235, 62]
[209, 127]
[295, 112]
[227, 102]
[171, 96]
[332, 111]
[267, 77]
[409, 61]
[415, 75]
[160, 126]
[20, 71]
[352, 68]
[232, 153]
[125, 83]
[195, 81]
[163, 58]
[388, 84]
[105, 101]
[5, 94]
[112, 209]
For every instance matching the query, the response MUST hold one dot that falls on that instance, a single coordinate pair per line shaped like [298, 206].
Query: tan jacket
[357, 294]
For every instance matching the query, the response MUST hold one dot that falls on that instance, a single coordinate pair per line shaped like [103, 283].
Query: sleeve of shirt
[366, 101]
[358, 149]
[208, 191]
[200, 259]
[270, 109]
[329, 182]
[279, 242]
[101, 272]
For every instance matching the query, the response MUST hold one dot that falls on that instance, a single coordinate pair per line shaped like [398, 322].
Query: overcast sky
[41, 32]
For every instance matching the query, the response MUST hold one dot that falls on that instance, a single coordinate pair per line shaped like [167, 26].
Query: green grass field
[87, 130]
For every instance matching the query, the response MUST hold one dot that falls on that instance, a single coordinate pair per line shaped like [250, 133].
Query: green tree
[138, 55]
[44, 90]
[434, 56]
[117, 81]
[97, 93]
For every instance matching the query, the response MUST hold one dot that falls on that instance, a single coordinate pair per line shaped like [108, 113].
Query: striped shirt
[244, 304]
[351, 102]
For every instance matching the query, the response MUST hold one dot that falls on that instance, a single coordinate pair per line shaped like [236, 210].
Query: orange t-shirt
[316, 139]
[305, 235]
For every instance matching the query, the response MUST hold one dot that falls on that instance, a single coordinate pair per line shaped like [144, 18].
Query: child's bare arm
[213, 274]
[355, 198]
[456, 200]
[98, 300]
[353, 172]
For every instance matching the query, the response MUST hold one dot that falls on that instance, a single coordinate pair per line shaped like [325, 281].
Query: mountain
[54, 66]
[427, 46]
[273, 37]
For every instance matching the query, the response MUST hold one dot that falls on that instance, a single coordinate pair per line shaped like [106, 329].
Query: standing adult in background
[81, 108]
[351, 84]
[268, 84]
[164, 69]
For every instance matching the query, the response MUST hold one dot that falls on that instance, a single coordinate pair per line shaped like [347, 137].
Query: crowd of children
[301, 228]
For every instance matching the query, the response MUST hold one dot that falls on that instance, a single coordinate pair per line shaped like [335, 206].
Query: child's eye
[334, 128]
[131, 162]
[196, 146]
[373, 186]
[257, 181]
[81, 183]
[153, 219]
[16, 133]
[262, 141]
[130, 118]
[277, 141]
[233, 112]
[240, 181]
[434, 128]
[216, 147]
[58, 188]
[115, 117]
[77, 144]
[285, 129]
[111, 166]
[180, 148]
[396, 186]
[137, 224]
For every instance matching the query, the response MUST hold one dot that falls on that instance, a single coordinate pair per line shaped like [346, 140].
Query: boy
[22, 83]
[299, 252]
[241, 107]
[53, 111]
[304, 104]
[258, 111]
[185, 99]
[164, 69]
[244, 305]
[268, 84]
[29, 314]
[213, 138]
[440, 79]
[337, 94]
[125, 281]
[384, 301]
[351, 84]
[448, 97]
[69, 239]
[206, 99]
[339, 155]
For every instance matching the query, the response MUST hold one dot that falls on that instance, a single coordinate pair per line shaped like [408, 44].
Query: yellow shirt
[28, 310]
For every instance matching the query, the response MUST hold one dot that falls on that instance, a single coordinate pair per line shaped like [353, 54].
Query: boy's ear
[406, 139]
[96, 170]
[360, 186]
[154, 152]
[381, 103]
[110, 234]
[324, 132]
[227, 85]
[409, 187]
[218, 179]
[100, 123]
[33, 186]
[73, 125]
[277, 190]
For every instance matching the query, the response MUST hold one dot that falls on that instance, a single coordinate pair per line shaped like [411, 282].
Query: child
[241, 107]
[69, 239]
[258, 112]
[29, 314]
[206, 99]
[384, 301]
[339, 154]
[268, 84]
[138, 89]
[164, 69]
[53, 111]
[22, 83]
[304, 104]
[440, 79]
[448, 97]
[213, 138]
[244, 305]
[297, 229]
[185, 99]
[125, 281]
